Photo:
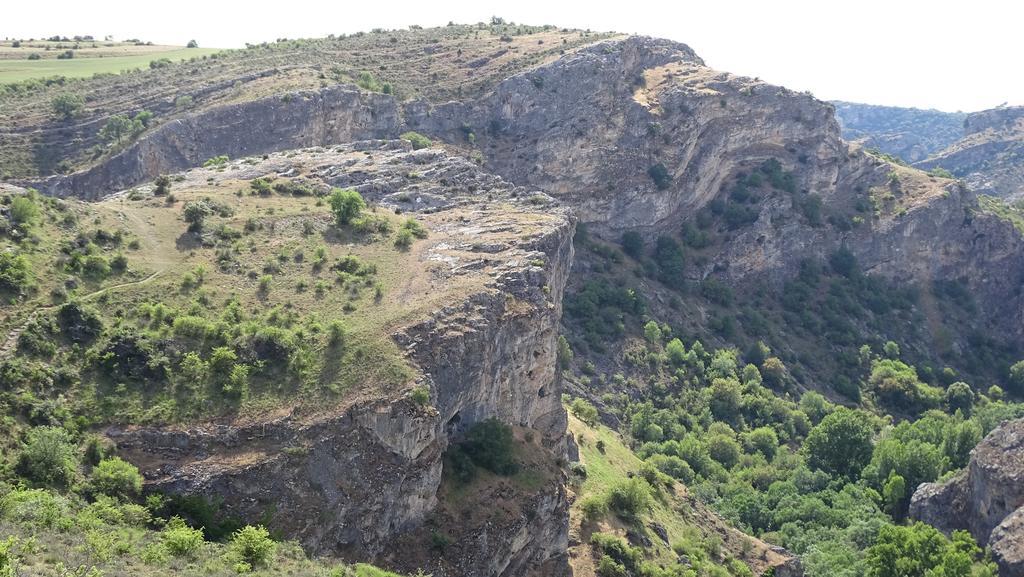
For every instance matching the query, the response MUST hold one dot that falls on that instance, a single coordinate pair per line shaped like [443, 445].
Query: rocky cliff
[990, 156]
[638, 134]
[349, 479]
[334, 115]
[634, 134]
[911, 134]
[987, 498]
[592, 128]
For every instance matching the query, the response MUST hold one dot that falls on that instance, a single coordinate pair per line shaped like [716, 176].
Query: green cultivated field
[82, 65]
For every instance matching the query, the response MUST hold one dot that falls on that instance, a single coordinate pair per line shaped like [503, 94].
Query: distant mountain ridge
[985, 149]
[912, 134]
[990, 156]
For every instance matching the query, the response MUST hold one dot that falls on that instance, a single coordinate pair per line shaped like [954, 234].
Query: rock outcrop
[987, 499]
[334, 115]
[591, 127]
[911, 134]
[353, 477]
[990, 156]
[635, 134]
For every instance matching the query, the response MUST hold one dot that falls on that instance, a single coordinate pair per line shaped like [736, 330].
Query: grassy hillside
[287, 301]
[53, 534]
[667, 525]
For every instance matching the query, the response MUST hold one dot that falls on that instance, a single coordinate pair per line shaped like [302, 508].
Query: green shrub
[162, 185]
[195, 213]
[673, 466]
[404, 238]
[181, 540]
[216, 161]
[633, 243]
[608, 567]
[417, 140]
[490, 445]
[23, 211]
[265, 283]
[564, 353]
[960, 397]
[8, 560]
[48, 457]
[414, 227]
[261, 186]
[668, 255]
[459, 464]
[584, 411]
[117, 478]
[594, 508]
[629, 498]
[15, 272]
[33, 506]
[96, 449]
[763, 440]
[253, 546]
[724, 449]
[421, 395]
[659, 174]
[1015, 383]
[346, 205]
[67, 105]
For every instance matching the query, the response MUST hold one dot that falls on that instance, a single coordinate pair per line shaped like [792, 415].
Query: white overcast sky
[928, 54]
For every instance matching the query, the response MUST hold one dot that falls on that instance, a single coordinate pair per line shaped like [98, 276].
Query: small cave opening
[542, 392]
[453, 424]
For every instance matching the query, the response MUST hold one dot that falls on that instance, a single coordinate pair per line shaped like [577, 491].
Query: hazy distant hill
[909, 133]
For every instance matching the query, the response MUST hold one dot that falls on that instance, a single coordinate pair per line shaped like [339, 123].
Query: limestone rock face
[334, 115]
[990, 156]
[589, 127]
[987, 499]
[345, 482]
[1008, 545]
[349, 479]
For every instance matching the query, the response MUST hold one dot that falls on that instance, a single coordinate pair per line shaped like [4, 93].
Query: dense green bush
[668, 255]
[116, 478]
[1015, 382]
[724, 449]
[594, 508]
[253, 546]
[584, 411]
[15, 272]
[24, 211]
[629, 498]
[489, 443]
[841, 444]
[898, 384]
[48, 457]
[67, 104]
[919, 550]
[417, 140]
[195, 213]
[633, 243]
[179, 539]
[659, 174]
[346, 205]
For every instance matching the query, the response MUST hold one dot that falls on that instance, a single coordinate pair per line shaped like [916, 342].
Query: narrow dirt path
[12, 337]
[154, 246]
